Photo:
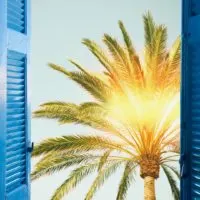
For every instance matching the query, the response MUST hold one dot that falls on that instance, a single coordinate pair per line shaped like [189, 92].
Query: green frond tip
[176, 171]
[149, 28]
[102, 176]
[172, 182]
[76, 143]
[103, 160]
[92, 84]
[127, 40]
[159, 44]
[118, 53]
[78, 66]
[57, 103]
[57, 110]
[99, 53]
[59, 68]
[115, 48]
[54, 162]
[74, 179]
[174, 54]
[126, 180]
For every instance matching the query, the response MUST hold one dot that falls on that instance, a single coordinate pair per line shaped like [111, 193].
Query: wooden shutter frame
[190, 37]
[21, 43]
[3, 61]
[185, 107]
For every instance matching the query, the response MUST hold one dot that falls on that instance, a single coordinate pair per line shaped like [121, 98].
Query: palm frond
[57, 110]
[74, 179]
[56, 162]
[103, 160]
[174, 54]
[172, 182]
[77, 143]
[93, 107]
[92, 84]
[118, 54]
[176, 171]
[149, 28]
[126, 180]
[89, 113]
[127, 40]
[124, 93]
[78, 66]
[102, 176]
[99, 53]
[159, 45]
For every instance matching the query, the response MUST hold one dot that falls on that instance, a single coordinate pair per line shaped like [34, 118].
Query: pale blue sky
[57, 29]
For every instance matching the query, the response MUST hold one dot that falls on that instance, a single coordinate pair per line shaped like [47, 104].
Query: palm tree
[135, 108]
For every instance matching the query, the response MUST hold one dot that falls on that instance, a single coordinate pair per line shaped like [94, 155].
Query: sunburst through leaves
[136, 110]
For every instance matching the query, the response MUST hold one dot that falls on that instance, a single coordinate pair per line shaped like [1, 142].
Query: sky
[58, 26]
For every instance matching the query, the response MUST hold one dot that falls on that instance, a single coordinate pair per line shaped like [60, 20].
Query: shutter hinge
[31, 147]
[184, 125]
[182, 162]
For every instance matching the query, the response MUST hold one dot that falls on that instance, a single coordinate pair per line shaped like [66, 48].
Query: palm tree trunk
[149, 188]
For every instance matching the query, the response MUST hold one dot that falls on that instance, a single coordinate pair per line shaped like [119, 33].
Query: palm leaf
[118, 54]
[136, 69]
[92, 84]
[126, 180]
[159, 44]
[55, 162]
[127, 40]
[74, 179]
[57, 110]
[77, 143]
[78, 66]
[174, 54]
[89, 113]
[172, 182]
[149, 28]
[174, 170]
[103, 160]
[101, 178]
[99, 53]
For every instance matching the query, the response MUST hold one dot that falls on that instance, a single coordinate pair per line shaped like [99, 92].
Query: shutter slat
[15, 129]
[16, 158]
[13, 68]
[15, 81]
[16, 7]
[15, 170]
[15, 117]
[14, 184]
[19, 104]
[16, 136]
[15, 87]
[14, 61]
[11, 166]
[16, 110]
[14, 100]
[15, 92]
[15, 176]
[18, 2]
[15, 146]
[14, 153]
[16, 123]
[15, 75]
[16, 15]
[16, 20]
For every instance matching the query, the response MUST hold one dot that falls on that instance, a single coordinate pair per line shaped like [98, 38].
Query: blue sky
[57, 29]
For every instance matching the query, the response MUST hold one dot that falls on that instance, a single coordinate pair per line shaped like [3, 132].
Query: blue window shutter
[190, 101]
[14, 100]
